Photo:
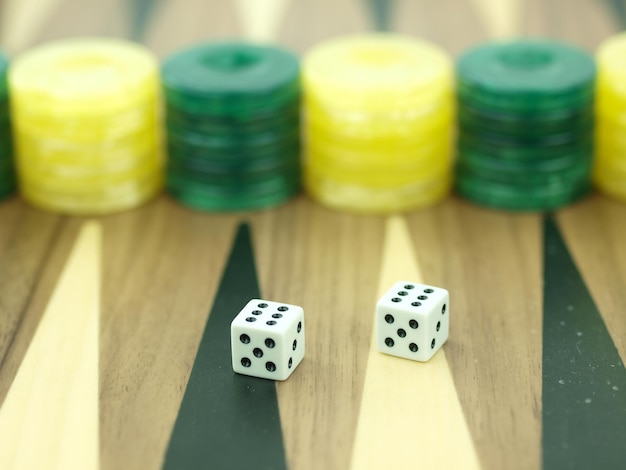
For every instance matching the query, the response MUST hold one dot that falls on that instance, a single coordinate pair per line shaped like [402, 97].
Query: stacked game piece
[379, 123]
[232, 126]
[526, 125]
[610, 158]
[86, 122]
[7, 172]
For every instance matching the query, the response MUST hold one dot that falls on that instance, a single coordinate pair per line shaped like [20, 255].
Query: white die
[267, 339]
[412, 320]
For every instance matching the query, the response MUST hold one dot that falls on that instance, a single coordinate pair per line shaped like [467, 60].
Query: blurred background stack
[86, 125]
[379, 115]
[610, 161]
[232, 126]
[525, 125]
[7, 170]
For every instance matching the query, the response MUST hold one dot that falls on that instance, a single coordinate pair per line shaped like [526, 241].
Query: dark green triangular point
[140, 14]
[381, 12]
[226, 420]
[584, 381]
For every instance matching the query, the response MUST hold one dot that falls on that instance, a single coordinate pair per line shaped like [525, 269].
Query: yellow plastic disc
[409, 126]
[103, 156]
[377, 71]
[610, 179]
[376, 200]
[86, 118]
[83, 75]
[610, 56]
[410, 166]
[94, 202]
[65, 180]
[91, 129]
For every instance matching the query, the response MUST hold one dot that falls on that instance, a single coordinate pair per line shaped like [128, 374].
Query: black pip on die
[412, 320]
[267, 339]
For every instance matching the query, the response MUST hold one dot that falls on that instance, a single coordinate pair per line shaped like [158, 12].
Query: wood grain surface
[162, 263]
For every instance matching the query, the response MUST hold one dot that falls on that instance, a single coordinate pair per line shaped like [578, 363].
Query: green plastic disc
[235, 141]
[242, 162]
[283, 120]
[4, 67]
[535, 173]
[526, 76]
[511, 148]
[233, 176]
[6, 149]
[540, 197]
[7, 190]
[230, 79]
[543, 161]
[234, 198]
[5, 111]
[537, 125]
[208, 148]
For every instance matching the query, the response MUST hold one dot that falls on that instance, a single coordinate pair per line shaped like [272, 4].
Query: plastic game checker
[7, 187]
[270, 154]
[410, 150]
[610, 110]
[611, 66]
[230, 79]
[487, 161]
[377, 102]
[610, 146]
[250, 185]
[82, 127]
[376, 71]
[384, 172]
[611, 166]
[249, 163]
[237, 177]
[371, 200]
[4, 66]
[517, 198]
[522, 177]
[112, 199]
[210, 142]
[82, 76]
[523, 76]
[50, 178]
[7, 171]
[235, 198]
[368, 127]
[610, 180]
[105, 156]
[511, 150]
[524, 142]
[428, 152]
[531, 124]
[229, 128]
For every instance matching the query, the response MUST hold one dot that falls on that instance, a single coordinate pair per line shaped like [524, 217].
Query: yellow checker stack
[86, 125]
[379, 119]
[610, 152]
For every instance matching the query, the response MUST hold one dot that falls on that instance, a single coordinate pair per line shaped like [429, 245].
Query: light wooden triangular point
[261, 19]
[410, 413]
[50, 416]
[502, 18]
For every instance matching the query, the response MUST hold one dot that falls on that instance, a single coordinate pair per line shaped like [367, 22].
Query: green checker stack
[7, 169]
[233, 119]
[525, 125]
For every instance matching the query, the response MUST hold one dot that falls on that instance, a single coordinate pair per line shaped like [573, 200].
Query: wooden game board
[101, 320]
